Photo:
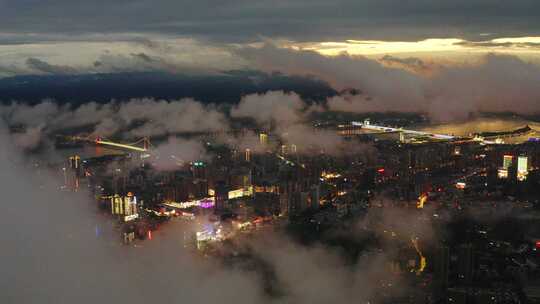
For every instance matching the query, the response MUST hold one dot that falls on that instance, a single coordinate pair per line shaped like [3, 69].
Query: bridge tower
[146, 143]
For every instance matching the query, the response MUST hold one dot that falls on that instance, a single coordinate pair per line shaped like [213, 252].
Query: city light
[203, 203]
[421, 201]
[461, 185]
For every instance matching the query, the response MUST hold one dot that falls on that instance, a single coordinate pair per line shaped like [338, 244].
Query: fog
[56, 248]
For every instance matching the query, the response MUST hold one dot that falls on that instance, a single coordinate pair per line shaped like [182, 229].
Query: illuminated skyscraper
[263, 138]
[124, 206]
[522, 168]
[71, 176]
[248, 155]
[507, 161]
[75, 161]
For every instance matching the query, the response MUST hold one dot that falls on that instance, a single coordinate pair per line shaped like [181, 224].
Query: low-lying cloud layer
[132, 119]
[499, 83]
[283, 114]
[58, 249]
[271, 108]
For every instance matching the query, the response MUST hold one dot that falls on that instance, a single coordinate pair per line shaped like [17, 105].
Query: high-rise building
[199, 170]
[284, 204]
[315, 197]
[263, 138]
[466, 263]
[222, 196]
[75, 162]
[125, 206]
[298, 202]
[522, 168]
[248, 155]
[507, 161]
[72, 176]
[441, 270]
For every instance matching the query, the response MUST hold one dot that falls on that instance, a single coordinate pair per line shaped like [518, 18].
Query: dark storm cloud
[297, 19]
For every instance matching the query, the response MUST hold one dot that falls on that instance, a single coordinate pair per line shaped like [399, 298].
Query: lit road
[368, 126]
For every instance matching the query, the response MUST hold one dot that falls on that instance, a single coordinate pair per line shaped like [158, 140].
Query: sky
[61, 36]
[402, 55]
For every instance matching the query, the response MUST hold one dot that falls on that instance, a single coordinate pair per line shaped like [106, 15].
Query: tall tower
[248, 155]
[75, 162]
[507, 161]
[522, 168]
[146, 143]
[465, 263]
[263, 138]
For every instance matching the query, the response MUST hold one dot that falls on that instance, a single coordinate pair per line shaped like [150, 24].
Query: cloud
[284, 114]
[310, 140]
[143, 62]
[319, 275]
[163, 117]
[273, 107]
[412, 64]
[240, 20]
[533, 46]
[176, 153]
[29, 139]
[112, 53]
[287, 115]
[132, 119]
[244, 140]
[41, 66]
[343, 72]
[499, 83]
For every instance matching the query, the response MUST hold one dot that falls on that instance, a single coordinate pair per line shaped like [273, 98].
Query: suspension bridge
[145, 141]
[141, 145]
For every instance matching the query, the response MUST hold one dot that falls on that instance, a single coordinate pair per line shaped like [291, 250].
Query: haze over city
[270, 151]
